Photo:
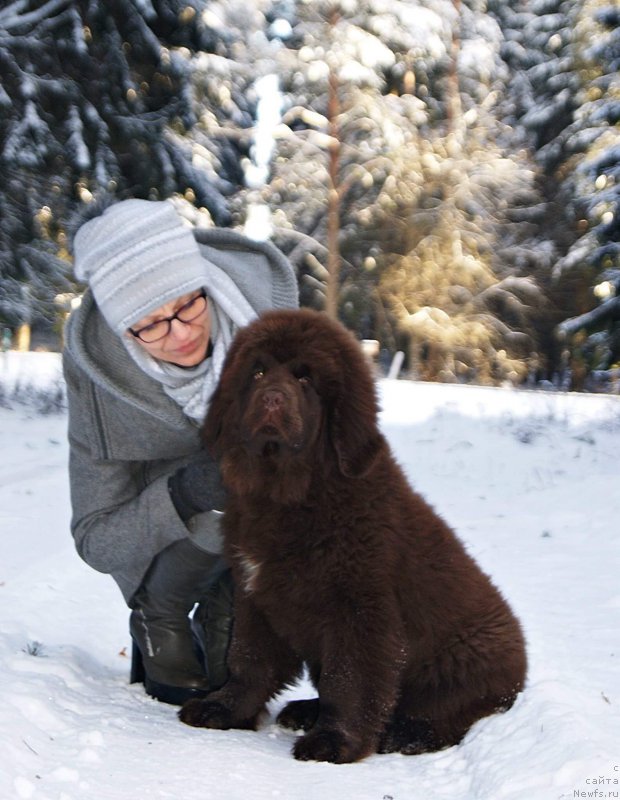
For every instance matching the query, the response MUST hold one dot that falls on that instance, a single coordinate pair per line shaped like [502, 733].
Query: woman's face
[186, 343]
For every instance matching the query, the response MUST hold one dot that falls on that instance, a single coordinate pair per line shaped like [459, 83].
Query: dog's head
[295, 395]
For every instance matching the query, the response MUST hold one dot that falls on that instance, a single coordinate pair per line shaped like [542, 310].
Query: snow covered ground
[530, 482]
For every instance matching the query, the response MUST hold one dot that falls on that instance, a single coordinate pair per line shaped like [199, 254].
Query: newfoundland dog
[339, 565]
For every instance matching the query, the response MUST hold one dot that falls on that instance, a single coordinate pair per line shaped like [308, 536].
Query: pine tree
[538, 105]
[93, 95]
[328, 164]
[468, 315]
[593, 337]
[564, 57]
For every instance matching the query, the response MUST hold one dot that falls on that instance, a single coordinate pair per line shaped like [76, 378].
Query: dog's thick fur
[338, 564]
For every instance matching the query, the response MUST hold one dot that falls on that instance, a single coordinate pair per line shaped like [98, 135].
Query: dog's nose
[273, 399]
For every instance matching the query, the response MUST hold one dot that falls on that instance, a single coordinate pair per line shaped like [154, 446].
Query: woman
[142, 357]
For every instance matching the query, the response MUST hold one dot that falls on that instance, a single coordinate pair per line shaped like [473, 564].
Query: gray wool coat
[126, 436]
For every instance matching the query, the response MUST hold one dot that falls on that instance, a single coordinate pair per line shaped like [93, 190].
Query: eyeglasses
[161, 328]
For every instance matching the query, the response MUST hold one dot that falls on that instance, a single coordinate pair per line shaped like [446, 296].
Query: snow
[530, 482]
[258, 225]
[268, 115]
[281, 29]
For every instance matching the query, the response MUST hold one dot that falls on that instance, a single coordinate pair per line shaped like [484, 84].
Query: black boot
[212, 623]
[166, 656]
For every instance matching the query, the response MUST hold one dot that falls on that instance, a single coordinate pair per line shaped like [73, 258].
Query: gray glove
[197, 487]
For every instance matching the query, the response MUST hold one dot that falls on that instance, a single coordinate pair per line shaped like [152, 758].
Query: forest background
[443, 174]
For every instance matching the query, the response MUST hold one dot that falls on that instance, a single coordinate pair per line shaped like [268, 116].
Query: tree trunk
[333, 201]
[454, 110]
[22, 338]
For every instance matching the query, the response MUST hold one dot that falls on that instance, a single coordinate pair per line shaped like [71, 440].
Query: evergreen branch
[609, 311]
[9, 20]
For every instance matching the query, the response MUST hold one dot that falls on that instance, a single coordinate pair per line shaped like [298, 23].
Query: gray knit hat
[137, 256]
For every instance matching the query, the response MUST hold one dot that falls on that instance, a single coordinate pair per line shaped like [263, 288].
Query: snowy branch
[11, 18]
[609, 311]
[309, 244]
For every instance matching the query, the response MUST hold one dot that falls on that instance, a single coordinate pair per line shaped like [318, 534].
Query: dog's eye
[302, 373]
[258, 374]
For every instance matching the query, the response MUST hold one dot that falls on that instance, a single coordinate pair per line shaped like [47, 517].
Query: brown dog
[338, 564]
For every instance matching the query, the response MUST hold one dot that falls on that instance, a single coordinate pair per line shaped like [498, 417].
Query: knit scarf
[193, 387]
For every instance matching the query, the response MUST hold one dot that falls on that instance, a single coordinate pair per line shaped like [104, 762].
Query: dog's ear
[356, 447]
[353, 420]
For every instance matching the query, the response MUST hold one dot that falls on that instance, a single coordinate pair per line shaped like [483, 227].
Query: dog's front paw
[299, 715]
[206, 714]
[409, 737]
[328, 745]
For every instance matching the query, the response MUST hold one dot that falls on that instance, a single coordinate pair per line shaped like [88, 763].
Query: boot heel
[137, 674]
[173, 695]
